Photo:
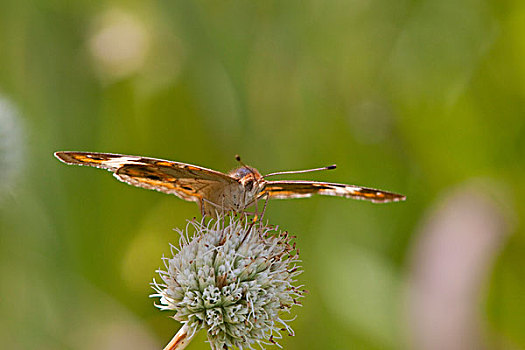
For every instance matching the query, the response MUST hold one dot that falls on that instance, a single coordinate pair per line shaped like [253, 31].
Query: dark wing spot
[325, 187]
[153, 177]
[95, 157]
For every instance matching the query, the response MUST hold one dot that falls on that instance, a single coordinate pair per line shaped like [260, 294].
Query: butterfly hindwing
[186, 181]
[167, 180]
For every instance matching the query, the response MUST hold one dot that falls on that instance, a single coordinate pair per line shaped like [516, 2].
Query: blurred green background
[424, 97]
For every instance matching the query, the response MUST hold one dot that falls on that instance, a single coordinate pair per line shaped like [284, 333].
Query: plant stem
[180, 340]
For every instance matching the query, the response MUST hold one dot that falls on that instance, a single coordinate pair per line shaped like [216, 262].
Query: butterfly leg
[201, 207]
[211, 209]
[265, 197]
[256, 213]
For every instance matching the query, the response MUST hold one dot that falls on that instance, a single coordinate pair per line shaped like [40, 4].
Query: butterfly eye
[248, 184]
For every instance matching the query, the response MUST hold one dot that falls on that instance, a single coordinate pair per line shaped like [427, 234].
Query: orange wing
[301, 189]
[183, 180]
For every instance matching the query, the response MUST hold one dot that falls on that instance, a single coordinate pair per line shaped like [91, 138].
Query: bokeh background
[425, 98]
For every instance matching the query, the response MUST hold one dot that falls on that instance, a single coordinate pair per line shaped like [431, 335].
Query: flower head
[233, 278]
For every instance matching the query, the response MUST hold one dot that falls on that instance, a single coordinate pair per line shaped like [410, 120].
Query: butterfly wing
[302, 189]
[189, 182]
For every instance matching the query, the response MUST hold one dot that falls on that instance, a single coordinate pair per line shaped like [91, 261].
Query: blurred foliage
[411, 96]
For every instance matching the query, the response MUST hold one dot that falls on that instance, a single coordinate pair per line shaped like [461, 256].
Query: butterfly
[217, 192]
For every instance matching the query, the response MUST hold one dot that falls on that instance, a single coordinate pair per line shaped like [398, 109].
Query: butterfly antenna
[238, 158]
[330, 167]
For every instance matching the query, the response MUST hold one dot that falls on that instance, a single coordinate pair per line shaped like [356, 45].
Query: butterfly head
[247, 176]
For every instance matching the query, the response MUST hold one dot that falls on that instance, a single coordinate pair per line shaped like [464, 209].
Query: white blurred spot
[119, 44]
[450, 265]
[11, 146]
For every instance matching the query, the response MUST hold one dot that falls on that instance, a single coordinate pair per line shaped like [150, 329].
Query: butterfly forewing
[113, 162]
[301, 189]
[106, 161]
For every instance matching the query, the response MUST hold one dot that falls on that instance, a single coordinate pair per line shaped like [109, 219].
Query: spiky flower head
[232, 277]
